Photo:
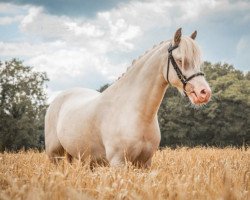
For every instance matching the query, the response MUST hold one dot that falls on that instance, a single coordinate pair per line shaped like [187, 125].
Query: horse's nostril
[203, 94]
[203, 91]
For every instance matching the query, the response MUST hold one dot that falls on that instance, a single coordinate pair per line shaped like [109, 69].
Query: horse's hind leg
[55, 152]
[53, 147]
[58, 153]
[57, 156]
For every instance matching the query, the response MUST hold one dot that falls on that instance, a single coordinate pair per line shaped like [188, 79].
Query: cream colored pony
[121, 123]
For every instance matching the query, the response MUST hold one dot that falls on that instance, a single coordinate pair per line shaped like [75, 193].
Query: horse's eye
[179, 61]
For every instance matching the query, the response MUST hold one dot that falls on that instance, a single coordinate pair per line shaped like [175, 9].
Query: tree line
[222, 122]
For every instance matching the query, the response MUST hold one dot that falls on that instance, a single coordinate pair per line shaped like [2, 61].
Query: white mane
[189, 49]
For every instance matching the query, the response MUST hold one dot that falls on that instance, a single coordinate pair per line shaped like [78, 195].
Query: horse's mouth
[196, 100]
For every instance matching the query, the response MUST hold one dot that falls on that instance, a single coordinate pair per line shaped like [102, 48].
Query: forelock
[190, 51]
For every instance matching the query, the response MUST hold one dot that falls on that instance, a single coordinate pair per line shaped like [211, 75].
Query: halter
[180, 75]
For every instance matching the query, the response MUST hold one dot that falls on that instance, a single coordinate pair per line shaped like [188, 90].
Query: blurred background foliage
[224, 121]
[22, 106]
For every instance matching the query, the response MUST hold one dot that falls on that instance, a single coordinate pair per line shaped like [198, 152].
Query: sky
[82, 43]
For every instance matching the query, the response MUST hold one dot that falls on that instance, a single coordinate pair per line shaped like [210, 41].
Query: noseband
[180, 75]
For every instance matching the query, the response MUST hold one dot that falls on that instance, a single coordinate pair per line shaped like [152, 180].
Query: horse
[120, 124]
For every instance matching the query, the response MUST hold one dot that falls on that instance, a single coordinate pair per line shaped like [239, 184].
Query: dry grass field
[197, 173]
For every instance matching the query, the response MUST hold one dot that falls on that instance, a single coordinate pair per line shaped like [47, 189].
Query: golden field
[195, 173]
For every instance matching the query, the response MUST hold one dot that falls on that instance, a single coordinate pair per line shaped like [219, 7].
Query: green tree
[22, 106]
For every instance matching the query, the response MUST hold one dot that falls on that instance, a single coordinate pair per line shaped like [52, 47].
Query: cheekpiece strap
[171, 48]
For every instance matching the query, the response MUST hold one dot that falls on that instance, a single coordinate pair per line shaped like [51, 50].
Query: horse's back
[68, 98]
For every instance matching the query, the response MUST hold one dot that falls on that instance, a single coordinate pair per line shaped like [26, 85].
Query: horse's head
[183, 68]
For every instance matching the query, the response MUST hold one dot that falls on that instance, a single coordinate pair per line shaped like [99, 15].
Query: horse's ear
[193, 35]
[177, 37]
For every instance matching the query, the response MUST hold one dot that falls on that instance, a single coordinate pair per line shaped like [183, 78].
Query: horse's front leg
[117, 161]
[143, 164]
[115, 158]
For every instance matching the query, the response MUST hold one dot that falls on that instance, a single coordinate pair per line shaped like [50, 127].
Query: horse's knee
[115, 157]
[117, 161]
[54, 159]
[55, 154]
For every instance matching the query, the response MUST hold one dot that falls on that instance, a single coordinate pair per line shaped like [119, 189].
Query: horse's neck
[143, 86]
